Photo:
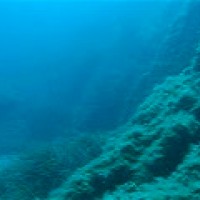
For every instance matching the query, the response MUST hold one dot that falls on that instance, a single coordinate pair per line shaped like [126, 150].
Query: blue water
[69, 73]
[69, 66]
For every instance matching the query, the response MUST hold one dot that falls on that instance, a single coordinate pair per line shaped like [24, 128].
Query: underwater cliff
[134, 137]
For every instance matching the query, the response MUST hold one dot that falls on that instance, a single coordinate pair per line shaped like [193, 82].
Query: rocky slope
[157, 157]
[159, 152]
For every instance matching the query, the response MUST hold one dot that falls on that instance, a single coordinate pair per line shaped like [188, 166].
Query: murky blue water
[69, 68]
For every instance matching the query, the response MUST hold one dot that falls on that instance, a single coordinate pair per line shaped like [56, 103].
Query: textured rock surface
[159, 152]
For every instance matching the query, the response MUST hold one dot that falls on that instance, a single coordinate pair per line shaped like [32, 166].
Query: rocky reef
[156, 158]
[156, 155]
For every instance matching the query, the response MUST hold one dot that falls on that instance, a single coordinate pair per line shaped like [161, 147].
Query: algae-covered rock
[157, 156]
[158, 152]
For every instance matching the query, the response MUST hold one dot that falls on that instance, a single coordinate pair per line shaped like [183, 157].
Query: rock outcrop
[157, 157]
[159, 152]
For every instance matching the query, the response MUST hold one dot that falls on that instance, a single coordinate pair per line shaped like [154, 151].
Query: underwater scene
[99, 100]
